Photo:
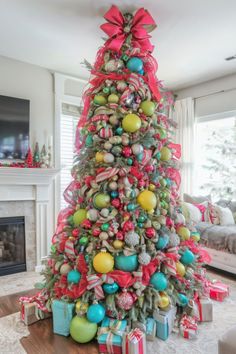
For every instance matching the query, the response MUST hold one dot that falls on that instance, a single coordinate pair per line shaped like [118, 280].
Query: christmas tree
[121, 248]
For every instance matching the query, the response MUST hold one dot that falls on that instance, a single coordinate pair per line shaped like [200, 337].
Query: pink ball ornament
[125, 300]
[96, 232]
[128, 226]
[120, 236]
[150, 232]
[116, 202]
[127, 151]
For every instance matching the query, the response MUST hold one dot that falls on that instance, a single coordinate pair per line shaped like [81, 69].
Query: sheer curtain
[184, 116]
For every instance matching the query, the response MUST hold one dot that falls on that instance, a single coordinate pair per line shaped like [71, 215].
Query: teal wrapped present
[150, 329]
[110, 335]
[165, 322]
[63, 313]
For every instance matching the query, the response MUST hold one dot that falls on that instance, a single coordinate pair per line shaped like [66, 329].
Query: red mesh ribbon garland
[118, 31]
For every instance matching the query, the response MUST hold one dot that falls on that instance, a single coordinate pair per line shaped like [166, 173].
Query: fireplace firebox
[12, 245]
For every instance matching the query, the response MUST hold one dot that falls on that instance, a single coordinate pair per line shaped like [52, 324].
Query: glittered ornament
[116, 150]
[173, 239]
[150, 232]
[126, 151]
[144, 258]
[113, 186]
[125, 300]
[137, 149]
[132, 238]
[92, 214]
[99, 156]
[114, 65]
[103, 235]
[65, 269]
[103, 262]
[104, 212]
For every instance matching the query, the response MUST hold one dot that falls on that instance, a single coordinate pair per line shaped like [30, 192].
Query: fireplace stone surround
[29, 192]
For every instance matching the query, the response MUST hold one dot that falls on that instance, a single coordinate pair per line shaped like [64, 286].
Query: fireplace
[12, 245]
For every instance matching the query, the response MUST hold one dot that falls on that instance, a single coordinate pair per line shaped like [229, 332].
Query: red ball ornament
[96, 232]
[125, 300]
[141, 183]
[87, 224]
[120, 236]
[92, 128]
[150, 232]
[127, 151]
[128, 226]
[116, 202]
[75, 232]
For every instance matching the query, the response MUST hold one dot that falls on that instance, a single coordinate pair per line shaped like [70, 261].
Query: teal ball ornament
[159, 281]
[114, 194]
[89, 140]
[187, 257]
[140, 225]
[141, 72]
[73, 276]
[119, 131]
[96, 313]
[135, 64]
[110, 288]
[162, 242]
[131, 207]
[126, 263]
[129, 161]
[183, 300]
[140, 157]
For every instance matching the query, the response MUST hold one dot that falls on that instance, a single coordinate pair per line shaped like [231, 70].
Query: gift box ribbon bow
[118, 28]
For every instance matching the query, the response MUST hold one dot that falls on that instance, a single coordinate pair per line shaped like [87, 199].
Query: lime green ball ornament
[113, 98]
[165, 154]
[131, 123]
[148, 108]
[82, 330]
[101, 200]
[79, 216]
[100, 100]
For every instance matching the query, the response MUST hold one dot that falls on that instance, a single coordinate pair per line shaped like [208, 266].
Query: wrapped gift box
[149, 328]
[164, 322]
[63, 313]
[31, 314]
[218, 291]
[205, 309]
[134, 342]
[188, 327]
[110, 335]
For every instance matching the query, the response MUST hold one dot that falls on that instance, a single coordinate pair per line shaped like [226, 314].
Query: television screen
[14, 128]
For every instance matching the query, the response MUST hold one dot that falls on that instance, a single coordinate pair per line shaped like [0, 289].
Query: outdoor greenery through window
[215, 167]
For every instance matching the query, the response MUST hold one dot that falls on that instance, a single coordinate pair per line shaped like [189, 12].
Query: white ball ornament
[113, 186]
[103, 236]
[107, 145]
[125, 140]
[114, 120]
[104, 212]
[92, 214]
[137, 149]
[108, 158]
[65, 269]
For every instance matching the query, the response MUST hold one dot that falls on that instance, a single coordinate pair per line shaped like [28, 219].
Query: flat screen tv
[14, 128]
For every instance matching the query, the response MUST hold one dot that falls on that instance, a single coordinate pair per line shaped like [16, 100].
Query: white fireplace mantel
[18, 184]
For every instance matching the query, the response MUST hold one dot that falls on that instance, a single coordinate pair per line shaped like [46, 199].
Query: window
[215, 164]
[69, 120]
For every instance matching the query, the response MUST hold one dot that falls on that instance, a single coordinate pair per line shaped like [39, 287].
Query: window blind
[69, 120]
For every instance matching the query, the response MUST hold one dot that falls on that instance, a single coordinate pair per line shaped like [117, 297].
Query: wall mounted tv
[14, 128]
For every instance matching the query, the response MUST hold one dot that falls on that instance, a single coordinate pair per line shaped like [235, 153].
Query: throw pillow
[225, 215]
[196, 200]
[194, 213]
[204, 210]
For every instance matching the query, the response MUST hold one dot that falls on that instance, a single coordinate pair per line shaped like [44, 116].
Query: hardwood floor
[41, 339]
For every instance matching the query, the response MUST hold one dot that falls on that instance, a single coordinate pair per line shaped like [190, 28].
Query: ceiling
[191, 41]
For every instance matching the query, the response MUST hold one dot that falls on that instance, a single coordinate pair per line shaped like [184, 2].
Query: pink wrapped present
[188, 327]
[218, 291]
[134, 342]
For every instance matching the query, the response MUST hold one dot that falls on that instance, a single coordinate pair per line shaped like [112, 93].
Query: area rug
[15, 283]
[11, 331]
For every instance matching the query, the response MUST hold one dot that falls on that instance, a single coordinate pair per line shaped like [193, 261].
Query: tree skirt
[224, 317]
[11, 331]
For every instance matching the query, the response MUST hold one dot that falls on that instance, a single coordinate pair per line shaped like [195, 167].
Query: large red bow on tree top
[118, 29]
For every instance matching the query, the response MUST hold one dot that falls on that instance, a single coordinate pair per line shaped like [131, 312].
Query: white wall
[22, 80]
[212, 103]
